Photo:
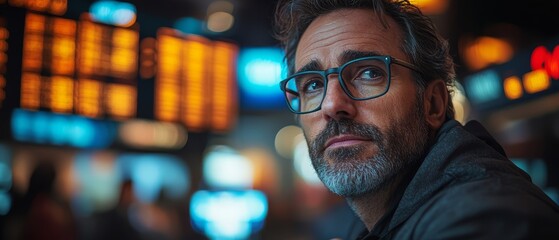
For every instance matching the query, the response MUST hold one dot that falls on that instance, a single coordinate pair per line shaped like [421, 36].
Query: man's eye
[369, 74]
[313, 85]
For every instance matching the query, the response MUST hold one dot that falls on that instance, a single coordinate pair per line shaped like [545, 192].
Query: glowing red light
[539, 57]
[552, 64]
[542, 59]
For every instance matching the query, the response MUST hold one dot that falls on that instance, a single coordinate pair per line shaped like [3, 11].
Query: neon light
[484, 86]
[541, 58]
[114, 13]
[552, 64]
[223, 167]
[146, 134]
[484, 51]
[228, 214]
[513, 87]
[259, 72]
[536, 81]
[58, 129]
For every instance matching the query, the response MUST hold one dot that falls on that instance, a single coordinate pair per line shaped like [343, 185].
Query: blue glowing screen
[259, 72]
[113, 12]
[60, 129]
[484, 87]
[228, 214]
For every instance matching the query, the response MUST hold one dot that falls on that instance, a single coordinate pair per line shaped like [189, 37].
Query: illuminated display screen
[61, 94]
[63, 47]
[245, 213]
[106, 67]
[196, 85]
[224, 90]
[33, 42]
[196, 73]
[61, 129]
[107, 58]
[89, 96]
[120, 100]
[168, 78]
[106, 51]
[260, 70]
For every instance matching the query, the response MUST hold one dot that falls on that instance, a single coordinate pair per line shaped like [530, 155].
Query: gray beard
[352, 175]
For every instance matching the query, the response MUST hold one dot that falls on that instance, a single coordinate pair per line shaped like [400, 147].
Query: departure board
[48, 63]
[107, 65]
[195, 81]
[83, 67]
[105, 69]
[224, 88]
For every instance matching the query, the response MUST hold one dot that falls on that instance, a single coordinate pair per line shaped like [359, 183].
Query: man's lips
[344, 141]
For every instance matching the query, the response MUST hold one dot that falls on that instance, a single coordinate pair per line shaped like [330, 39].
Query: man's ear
[435, 102]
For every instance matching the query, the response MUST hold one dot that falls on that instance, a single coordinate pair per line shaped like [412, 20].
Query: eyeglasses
[361, 79]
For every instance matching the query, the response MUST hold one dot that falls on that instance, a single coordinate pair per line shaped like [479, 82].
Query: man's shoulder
[494, 190]
[468, 187]
[488, 207]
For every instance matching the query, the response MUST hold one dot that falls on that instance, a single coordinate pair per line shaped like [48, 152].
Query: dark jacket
[466, 188]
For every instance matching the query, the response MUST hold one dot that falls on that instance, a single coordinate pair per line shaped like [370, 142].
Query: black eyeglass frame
[388, 60]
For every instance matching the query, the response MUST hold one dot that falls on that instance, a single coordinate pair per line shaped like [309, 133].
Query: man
[370, 82]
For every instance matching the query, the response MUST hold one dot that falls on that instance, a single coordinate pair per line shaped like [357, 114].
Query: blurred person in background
[42, 213]
[370, 82]
[115, 222]
[132, 219]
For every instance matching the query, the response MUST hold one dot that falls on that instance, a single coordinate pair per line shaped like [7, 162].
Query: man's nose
[336, 103]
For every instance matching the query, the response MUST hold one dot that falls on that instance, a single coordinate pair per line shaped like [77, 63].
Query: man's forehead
[345, 56]
[330, 37]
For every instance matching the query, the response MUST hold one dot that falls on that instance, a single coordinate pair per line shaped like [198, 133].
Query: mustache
[346, 126]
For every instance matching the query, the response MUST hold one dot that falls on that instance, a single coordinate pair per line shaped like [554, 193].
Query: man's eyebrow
[349, 55]
[313, 65]
[346, 56]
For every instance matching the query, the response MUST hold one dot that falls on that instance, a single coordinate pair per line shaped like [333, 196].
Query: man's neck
[370, 208]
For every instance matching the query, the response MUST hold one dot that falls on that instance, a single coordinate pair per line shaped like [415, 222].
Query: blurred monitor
[260, 69]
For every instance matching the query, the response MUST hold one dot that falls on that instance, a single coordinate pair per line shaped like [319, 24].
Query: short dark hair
[422, 43]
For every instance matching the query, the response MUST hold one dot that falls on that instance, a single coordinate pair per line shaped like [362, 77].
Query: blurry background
[164, 120]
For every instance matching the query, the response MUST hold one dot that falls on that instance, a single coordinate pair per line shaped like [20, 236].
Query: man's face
[358, 147]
